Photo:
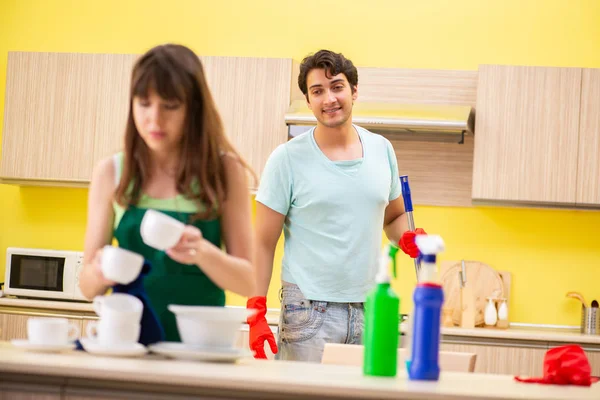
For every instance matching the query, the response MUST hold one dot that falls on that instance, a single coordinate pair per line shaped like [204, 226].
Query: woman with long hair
[176, 160]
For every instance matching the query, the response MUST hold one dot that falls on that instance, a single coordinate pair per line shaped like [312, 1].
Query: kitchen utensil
[484, 280]
[502, 315]
[590, 320]
[594, 304]
[120, 265]
[467, 302]
[186, 352]
[42, 348]
[408, 208]
[207, 326]
[491, 314]
[93, 346]
[447, 317]
[51, 331]
[111, 332]
[119, 307]
[578, 296]
[160, 230]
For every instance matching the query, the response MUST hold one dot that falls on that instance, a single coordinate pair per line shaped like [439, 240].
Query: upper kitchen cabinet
[588, 171]
[66, 111]
[527, 130]
[112, 107]
[48, 117]
[62, 110]
[252, 95]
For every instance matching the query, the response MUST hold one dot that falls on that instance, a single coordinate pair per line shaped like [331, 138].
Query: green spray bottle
[381, 332]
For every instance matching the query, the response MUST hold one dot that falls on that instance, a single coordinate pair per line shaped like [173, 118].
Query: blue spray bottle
[428, 299]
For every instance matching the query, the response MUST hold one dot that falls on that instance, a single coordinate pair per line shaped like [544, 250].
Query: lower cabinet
[495, 359]
[27, 394]
[28, 388]
[594, 358]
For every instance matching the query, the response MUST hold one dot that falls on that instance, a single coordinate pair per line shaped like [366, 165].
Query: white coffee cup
[119, 307]
[51, 331]
[160, 231]
[113, 332]
[121, 265]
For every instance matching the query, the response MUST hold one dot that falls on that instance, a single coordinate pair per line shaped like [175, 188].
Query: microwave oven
[41, 273]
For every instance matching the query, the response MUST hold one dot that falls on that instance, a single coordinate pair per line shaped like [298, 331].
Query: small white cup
[160, 231]
[119, 307]
[112, 332]
[121, 265]
[51, 331]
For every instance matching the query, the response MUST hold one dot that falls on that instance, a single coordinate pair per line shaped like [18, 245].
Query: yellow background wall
[549, 252]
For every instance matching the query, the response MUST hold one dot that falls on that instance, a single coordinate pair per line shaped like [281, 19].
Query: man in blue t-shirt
[331, 190]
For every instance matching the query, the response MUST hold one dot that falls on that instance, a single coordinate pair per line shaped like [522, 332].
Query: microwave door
[37, 276]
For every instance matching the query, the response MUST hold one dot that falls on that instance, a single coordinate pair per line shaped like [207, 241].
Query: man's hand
[259, 329]
[407, 242]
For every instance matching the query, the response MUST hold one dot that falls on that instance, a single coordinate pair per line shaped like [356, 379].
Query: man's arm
[395, 220]
[269, 224]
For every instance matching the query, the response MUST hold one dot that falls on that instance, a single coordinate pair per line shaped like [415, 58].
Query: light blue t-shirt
[334, 213]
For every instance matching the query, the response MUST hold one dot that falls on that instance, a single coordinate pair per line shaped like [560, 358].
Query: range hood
[446, 123]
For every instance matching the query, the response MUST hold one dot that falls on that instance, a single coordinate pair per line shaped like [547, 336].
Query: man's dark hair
[332, 63]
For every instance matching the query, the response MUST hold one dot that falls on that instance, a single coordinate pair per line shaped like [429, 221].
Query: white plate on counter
[186, 352]
[92, 346]
[43, 348]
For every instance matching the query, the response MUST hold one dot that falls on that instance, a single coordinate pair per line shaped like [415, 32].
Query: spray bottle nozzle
[392, 254]
[429, 246]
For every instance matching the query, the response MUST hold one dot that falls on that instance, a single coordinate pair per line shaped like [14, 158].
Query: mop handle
[408, 208]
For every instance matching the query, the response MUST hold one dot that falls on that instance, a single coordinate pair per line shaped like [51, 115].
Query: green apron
[169, 282]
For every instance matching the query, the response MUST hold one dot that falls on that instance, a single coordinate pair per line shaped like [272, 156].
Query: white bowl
[159, 230]
[209, 326]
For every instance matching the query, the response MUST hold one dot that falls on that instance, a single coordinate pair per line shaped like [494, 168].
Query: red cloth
[259, 329]
[565, 365]
[407, 242]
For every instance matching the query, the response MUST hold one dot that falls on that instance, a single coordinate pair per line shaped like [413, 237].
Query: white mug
[119, 307]
[114, 332]
[120, 265]
[159, 230]
[51, 331]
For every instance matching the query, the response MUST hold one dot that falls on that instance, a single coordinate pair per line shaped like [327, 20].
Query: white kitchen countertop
[262, 377]
[522, 333]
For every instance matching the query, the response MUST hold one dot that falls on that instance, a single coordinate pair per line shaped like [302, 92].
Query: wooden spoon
[578, 296]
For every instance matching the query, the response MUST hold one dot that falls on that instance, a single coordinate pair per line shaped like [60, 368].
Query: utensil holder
[590, 320]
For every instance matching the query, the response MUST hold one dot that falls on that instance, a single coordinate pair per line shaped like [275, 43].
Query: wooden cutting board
[484, 280]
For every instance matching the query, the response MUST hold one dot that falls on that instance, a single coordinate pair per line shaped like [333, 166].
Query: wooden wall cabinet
[66, 111]
[252, 95]
[588, 166]
[526, 138]
[537, 136]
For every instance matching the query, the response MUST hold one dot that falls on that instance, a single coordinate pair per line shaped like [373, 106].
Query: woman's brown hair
[176, 73]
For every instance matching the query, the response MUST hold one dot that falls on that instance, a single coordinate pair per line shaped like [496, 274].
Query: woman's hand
[96, 269]
[190, 247]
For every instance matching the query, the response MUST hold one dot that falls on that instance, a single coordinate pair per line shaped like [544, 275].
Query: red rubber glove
[407, 242]
[259, 329]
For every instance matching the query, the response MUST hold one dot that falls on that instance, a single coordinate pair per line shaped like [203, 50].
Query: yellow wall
[549, 252]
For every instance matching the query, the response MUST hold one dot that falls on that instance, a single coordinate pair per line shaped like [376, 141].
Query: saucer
[44, 348]
[92, 346]
[188, 352]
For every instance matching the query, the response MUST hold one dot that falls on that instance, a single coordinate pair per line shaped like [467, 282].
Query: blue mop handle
[408, 208]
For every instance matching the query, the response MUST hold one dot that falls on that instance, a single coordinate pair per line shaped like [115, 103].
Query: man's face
[330, 98]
